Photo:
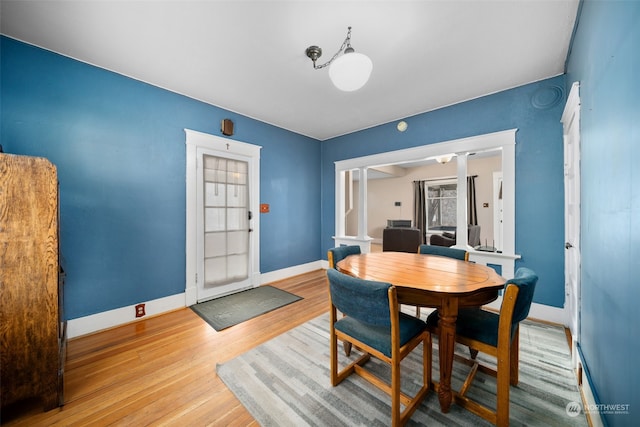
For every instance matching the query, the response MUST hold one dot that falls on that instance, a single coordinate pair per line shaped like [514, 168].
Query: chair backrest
[525, 279]
[401, 239]
[335, 255]
[364, 300]
[444, 251]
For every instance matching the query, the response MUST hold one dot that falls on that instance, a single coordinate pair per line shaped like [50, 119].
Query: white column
[461, 218]
[362, 205]
[509, 199]
[362, 239]
[340, 203]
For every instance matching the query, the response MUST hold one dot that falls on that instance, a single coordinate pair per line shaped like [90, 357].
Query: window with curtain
[441, 204]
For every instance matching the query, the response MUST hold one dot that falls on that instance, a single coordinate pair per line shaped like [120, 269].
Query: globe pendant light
[348, 70]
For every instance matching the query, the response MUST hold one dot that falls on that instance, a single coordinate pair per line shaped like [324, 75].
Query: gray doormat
[230, 310]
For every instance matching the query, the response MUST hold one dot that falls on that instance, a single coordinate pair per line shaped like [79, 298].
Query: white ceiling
[249, 56]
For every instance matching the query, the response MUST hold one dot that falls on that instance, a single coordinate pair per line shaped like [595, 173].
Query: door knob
[568, 245]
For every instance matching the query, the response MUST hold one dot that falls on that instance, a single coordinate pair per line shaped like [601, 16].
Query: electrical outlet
[140, 310]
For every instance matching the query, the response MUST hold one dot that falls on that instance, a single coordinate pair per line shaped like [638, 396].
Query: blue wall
[119, 146]
[605, 59]
[535, 110]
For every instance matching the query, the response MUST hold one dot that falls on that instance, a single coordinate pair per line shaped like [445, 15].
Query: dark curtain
[419, 209]
[472, 211]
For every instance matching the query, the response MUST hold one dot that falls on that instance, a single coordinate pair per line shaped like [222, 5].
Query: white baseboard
[274, 276]
[123, 315]
[120, 316]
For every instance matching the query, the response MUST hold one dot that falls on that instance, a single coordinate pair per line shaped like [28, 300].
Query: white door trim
[222, 147]
[571, 141]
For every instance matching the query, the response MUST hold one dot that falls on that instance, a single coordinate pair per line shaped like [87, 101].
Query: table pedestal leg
[446, 342]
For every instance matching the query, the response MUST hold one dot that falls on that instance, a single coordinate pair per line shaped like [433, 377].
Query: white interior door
[222, 228]
[571, 131]
[224, 225]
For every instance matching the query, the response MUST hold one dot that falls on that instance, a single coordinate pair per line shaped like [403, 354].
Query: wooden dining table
[431, 281]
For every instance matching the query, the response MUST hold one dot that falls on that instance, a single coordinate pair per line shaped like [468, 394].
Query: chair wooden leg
[347, 348]
[503, 384]
[427, 360]
[395, 393]
[515, 358]
[334, 358]
[412, 403]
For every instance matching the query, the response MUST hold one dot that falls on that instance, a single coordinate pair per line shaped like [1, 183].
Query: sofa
[449, 239]
[401, 239]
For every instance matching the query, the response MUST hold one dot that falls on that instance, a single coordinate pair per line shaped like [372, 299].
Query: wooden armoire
[32, 328]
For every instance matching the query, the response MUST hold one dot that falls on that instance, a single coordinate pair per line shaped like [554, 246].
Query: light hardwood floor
[162, 370]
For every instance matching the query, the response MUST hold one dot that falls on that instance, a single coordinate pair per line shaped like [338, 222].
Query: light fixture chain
[346, 43]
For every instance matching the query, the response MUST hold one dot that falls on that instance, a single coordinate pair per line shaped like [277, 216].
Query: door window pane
[214, 219]
[215, 271]
[238, 242]
[215, 244]
[226, 222]
[215, 194]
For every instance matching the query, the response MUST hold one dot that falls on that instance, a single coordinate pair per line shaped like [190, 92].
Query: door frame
[221, 147]
[572, 177]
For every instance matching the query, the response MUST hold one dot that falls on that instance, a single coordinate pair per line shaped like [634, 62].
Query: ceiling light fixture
[444, 159]
[349, 71]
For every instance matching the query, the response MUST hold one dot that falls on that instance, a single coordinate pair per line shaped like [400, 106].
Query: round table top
[430, 273]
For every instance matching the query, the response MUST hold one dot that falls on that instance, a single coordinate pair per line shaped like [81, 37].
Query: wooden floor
[162, 370]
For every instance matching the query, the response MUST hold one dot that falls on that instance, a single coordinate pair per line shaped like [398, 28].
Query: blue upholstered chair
[335, 255]
[496, 335]
[444, 251]
[374, 324]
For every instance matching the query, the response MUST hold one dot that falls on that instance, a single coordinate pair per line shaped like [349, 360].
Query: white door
[222, 228]
[571, 133]
[223, 247]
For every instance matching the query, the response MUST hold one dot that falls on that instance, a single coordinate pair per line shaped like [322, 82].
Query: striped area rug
[285, 382]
